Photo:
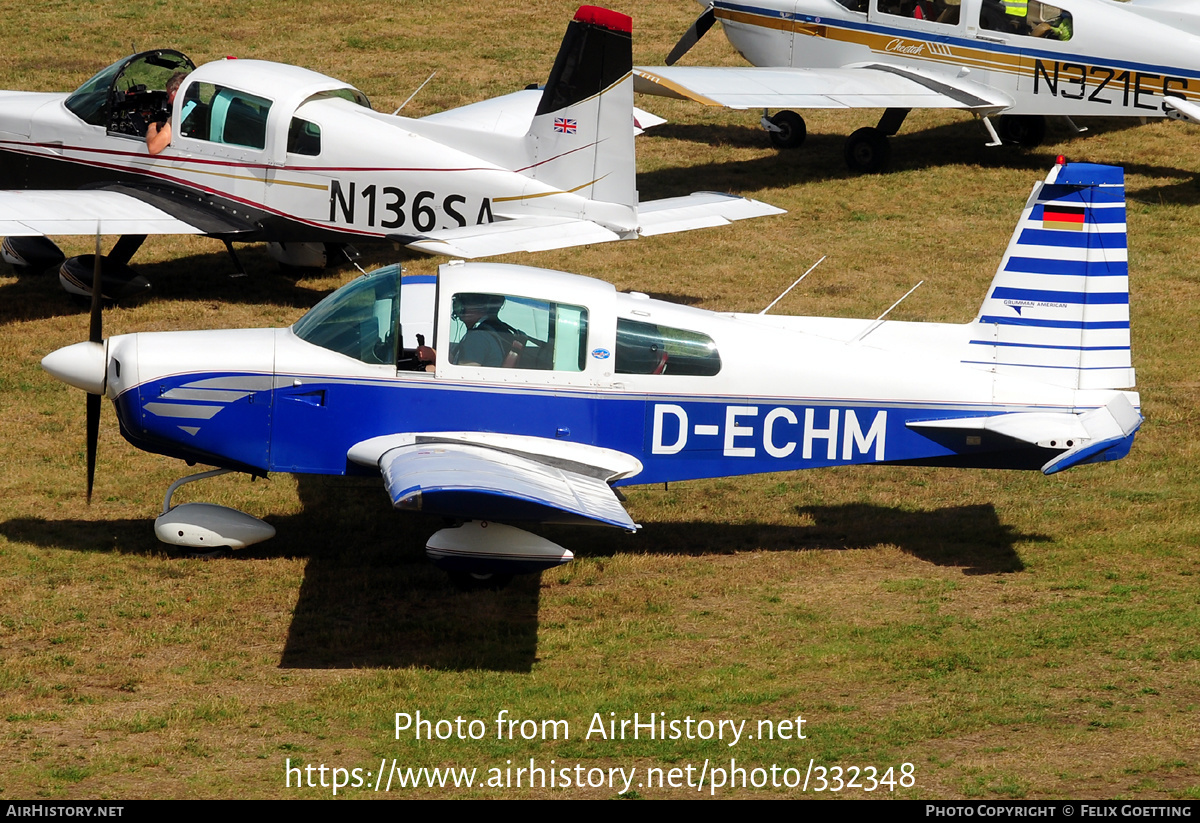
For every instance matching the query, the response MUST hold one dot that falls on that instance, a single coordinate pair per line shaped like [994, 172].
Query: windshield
[358, 320]
[129, 76]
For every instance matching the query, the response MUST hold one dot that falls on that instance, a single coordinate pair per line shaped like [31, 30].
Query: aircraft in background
[1024, 60]
[543, 391]
[268, 152]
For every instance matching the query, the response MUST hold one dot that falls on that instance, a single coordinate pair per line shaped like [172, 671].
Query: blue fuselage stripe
[676, 438]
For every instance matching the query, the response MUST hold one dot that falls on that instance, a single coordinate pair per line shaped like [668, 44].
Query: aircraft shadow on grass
[374, 601]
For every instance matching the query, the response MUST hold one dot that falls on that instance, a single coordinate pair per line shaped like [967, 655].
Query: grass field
[1009, 635]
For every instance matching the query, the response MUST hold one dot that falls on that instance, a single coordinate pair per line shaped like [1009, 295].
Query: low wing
[30, 213]
[117, 208]
[482, 476]
[537, 233]
[1180, 109]
[870, 85]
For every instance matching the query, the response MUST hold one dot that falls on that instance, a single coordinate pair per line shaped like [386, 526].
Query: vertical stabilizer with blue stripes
[1058, 308]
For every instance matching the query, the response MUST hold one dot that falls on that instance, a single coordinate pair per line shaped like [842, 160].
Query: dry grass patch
[1011, 635]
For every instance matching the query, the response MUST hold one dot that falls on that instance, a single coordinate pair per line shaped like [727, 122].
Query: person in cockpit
[489, 341]
[158, 135]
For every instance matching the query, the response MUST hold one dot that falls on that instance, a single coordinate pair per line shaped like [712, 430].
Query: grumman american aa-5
[1024, 60]
[542, 392]
[263, 151]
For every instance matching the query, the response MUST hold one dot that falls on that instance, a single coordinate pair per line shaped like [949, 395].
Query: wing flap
[479, 483]
[30, 213]
[870, 86]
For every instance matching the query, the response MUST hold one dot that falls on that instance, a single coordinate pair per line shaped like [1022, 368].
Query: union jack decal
[565, 125]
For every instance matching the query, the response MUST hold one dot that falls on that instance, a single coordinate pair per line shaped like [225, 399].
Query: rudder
[1058, 308]
[582, 133]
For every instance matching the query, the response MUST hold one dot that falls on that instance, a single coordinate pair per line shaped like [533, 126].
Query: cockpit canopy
[130, 93]
[358, 320]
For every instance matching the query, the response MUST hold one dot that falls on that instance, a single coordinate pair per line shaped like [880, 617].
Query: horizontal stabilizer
[31, 213]
[529, 234]
[480, 483]
[1047, 429]
[1111, 430]
[1093, 436]
[698, 210]
[537, 233]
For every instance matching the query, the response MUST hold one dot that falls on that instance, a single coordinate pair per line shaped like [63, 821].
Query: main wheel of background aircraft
[31, 255]
[118, 282]
[479, 581]
[1024, 130]
[791, 130]
[868, 151]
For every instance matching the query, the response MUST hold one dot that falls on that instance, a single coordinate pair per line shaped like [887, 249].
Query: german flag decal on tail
[1069, 218]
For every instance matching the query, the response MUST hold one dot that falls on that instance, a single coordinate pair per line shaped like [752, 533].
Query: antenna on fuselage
[878, 321]
[415, 93]
[797, 283]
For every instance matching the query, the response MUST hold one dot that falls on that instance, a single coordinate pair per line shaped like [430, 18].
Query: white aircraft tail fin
[1058, 308]
[582, 135]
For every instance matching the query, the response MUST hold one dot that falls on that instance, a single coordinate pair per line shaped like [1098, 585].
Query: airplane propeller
[85, 366]
[95, 335]
[692, 36]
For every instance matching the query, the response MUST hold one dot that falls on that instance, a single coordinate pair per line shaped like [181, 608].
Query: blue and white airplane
[1021, 59]
[544, 391]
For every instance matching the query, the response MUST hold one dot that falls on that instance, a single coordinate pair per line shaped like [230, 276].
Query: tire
[791, 132]
[868, 151]
[1024, 130]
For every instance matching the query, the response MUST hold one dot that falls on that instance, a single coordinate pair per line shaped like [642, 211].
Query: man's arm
[158, 137]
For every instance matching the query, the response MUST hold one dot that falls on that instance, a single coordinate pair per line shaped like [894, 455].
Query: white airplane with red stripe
[262, 151]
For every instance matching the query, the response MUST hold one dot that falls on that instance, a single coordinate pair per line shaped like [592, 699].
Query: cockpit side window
[224, 115]
[358, 320]
[647, 348]
[1028, 18]
[304, 138]
[855, 5]
[502, 331]
[933, 11]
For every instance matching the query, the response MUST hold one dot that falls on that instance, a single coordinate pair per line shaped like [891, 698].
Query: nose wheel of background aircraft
[786, 129]
[868, 151]
[1024, 130]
